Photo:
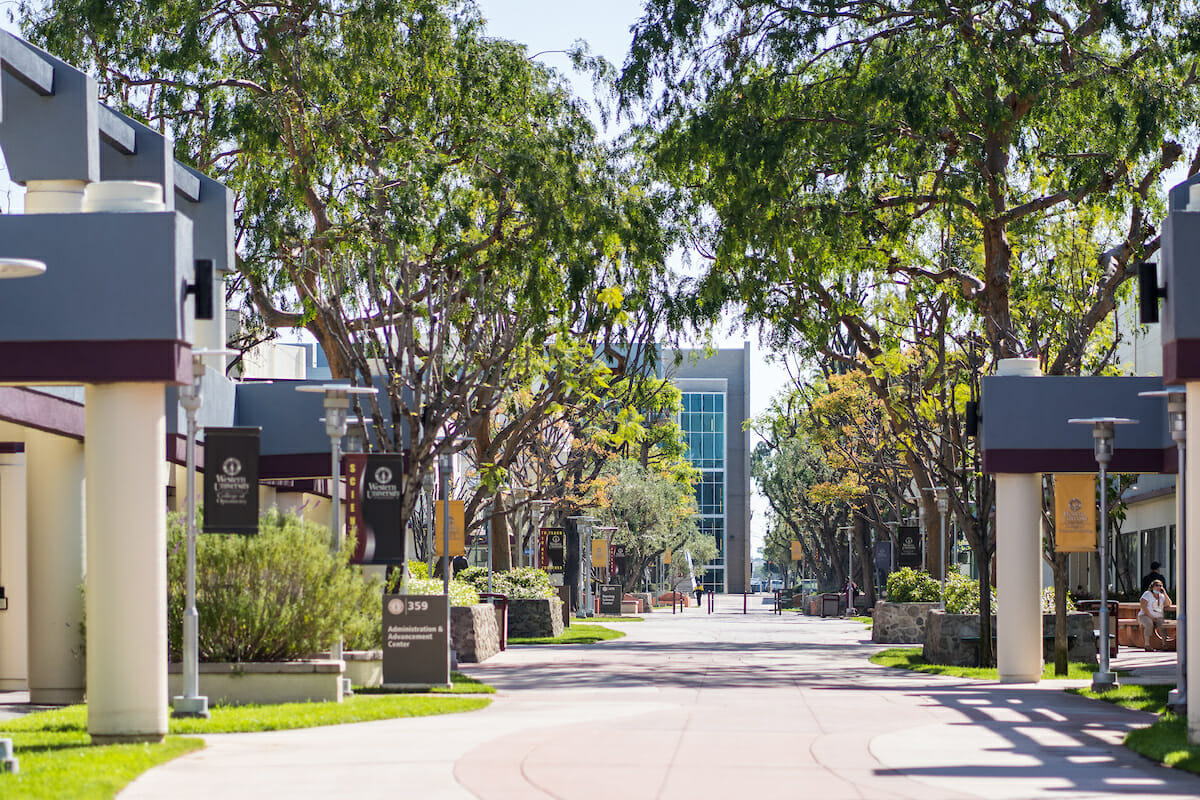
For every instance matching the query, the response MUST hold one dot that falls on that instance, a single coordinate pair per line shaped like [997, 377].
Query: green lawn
[459, 684]
[1166, 740]
[614, 619]
[910, 658]
[578, 633]
[57, 760]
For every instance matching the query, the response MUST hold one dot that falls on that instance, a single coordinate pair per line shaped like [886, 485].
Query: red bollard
[743, 602]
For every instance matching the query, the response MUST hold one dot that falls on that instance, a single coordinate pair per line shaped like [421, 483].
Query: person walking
[1151, 615]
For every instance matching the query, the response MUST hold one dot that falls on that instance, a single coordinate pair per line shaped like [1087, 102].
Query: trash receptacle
[831, 604]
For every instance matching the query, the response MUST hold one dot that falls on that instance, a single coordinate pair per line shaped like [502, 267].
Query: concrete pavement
[698, 705]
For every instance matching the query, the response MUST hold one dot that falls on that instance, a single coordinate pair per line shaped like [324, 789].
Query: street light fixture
[191, 703]
[1177, 423]
[337, 398]
[1102, 436]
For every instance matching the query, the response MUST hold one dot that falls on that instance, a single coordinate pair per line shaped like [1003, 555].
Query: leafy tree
[429, 203]
[654, 514]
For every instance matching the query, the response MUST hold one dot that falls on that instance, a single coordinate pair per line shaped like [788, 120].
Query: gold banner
[797, 551]
[600, 553]
[458, 529]
[1075, 513]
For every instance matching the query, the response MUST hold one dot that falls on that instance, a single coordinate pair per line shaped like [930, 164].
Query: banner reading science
[373, 512]
[231, 480]
[1075, 513]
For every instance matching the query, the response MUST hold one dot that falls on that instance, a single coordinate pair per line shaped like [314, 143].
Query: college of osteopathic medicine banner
[373, 507]
[231, 480]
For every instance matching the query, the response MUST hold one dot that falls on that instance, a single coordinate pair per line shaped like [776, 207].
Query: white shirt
[1154, 604]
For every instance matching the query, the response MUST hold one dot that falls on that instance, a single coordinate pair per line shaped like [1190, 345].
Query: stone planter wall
[535, 618]
[647, 599]
[474, 634]
[364, 667]
[283, 682]
[944, 635]
[900, 623]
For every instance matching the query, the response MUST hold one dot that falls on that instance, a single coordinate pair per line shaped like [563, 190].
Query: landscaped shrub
[907, 585]
[1048, 601]
[461, 592]
[522, 583]
[276, 596]
[962, 595]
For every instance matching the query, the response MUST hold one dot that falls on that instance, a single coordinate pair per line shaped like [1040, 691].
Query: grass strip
[459, 684]
[64, 764]
[910, 658]
[1135, 696]
[578, 633]
[57, 759]
[616, 619]
[1166, 742]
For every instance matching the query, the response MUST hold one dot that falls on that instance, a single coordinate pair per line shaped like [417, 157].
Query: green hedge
[907, 585]
[277, 596]
[522, 583]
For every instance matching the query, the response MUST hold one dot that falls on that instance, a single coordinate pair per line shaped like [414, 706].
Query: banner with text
[909, 546]
[373, 500]
[231, 480]
[1075, 513]
[554, 554]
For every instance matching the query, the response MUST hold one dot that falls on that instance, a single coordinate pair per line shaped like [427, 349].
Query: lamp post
[1102, 437]
[191, 703]
[583, 527]
[445, 472]
[1177, 422]
[943, 505]
[337, 398]
[427, 485]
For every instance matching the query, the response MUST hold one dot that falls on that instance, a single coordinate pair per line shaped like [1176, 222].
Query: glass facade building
[702, 420]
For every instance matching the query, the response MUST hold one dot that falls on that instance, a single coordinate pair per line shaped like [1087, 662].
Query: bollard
[8, 762]
[743, 602]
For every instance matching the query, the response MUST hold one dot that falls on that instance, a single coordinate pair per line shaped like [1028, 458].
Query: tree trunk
[1060, 613]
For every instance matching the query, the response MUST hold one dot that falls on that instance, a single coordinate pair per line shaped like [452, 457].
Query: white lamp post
[337, 407]
[446, 472]
[584, 525]
[540, 506]
[1177, 422]
[1102, 436]
[191, 703]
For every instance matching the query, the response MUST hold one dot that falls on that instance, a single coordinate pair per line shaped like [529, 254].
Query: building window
[702, 420]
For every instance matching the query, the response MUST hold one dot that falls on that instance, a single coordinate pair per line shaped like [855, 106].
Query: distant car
[777, 585]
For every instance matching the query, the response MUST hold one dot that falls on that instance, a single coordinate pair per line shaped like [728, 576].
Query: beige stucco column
[13, 556]
[1019, 563]
[1191, 487]
[126, 562]
[54, 497]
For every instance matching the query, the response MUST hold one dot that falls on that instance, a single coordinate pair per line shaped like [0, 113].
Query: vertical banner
[553, 553]
[373, 507]
[416, 648]
[1075, 513]
[908, 546]
[600, 554]
[616, 560]
[231, 480]
[797, 551]
[458, 529]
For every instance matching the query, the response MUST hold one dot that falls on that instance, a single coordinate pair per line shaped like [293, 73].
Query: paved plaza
[697, 705]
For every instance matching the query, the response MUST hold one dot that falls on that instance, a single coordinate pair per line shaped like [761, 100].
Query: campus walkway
[698, 705]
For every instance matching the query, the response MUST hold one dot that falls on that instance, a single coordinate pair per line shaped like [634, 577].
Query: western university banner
[554, 554]
[373, 500]
[909, 550]
[231, 480]
[1075, 513]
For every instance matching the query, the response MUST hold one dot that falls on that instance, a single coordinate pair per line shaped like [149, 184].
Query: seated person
[1154, 604]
